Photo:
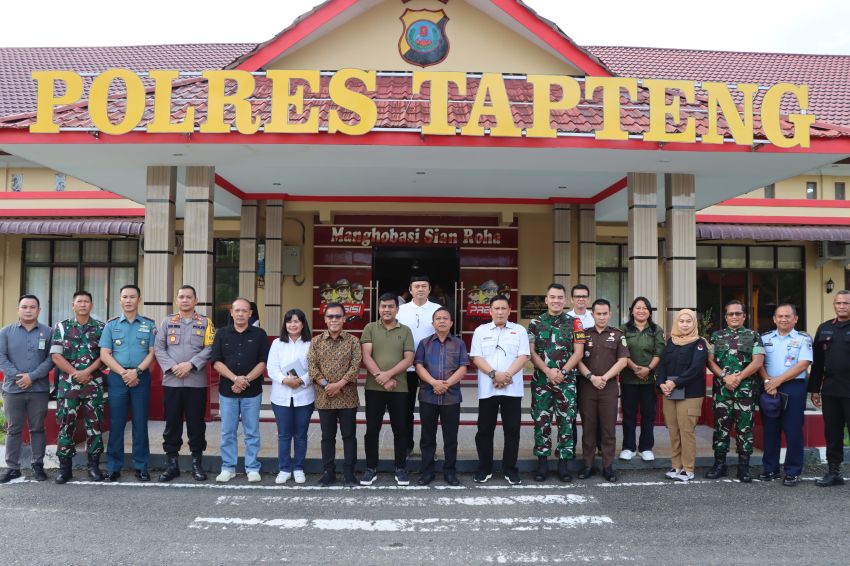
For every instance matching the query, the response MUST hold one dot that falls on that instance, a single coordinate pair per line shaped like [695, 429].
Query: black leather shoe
[564, 471]
[9, 474]
[198, 468]
[65, 473]
[791, 481]
[143, 475]
[94, 471]
[328, 478]
[451, 477]
[113, 476]
[718, 469]
[425, 479]
[350, 480]
[832, 477]
[609, 474]
[768, 476]
[171, 471]
[586, 472]
[38, 472]
[542, 469]
[744, 468]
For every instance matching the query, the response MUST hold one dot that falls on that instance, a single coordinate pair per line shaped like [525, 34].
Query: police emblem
[423, 39]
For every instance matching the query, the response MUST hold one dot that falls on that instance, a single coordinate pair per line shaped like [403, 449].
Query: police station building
[471, 140]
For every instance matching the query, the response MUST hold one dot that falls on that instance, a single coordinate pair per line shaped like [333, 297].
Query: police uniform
[130, 343]
[184, 340]
[733, 351]
[831, 378]
[781, 353]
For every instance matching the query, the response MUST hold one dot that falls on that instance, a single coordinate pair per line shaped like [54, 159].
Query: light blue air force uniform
[781, 353]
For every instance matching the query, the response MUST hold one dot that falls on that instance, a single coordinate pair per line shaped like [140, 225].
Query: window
[811, 190]
[17, 182]
[612, 281]
[59, 182]
[770, 191]
[759, 276]
[225, 279]
[54, 269]
[839, 191]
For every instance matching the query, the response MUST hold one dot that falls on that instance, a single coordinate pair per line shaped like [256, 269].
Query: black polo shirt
[240, 352]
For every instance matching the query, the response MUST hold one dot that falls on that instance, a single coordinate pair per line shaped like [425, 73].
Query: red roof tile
[828, 76]
[18, 90]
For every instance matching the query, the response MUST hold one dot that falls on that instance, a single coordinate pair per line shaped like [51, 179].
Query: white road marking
[537, 558]
[428, 525]
[405, 501]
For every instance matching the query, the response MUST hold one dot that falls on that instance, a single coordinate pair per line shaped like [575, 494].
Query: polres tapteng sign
[491, 100]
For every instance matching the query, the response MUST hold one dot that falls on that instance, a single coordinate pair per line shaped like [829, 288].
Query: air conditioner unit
[833, 250]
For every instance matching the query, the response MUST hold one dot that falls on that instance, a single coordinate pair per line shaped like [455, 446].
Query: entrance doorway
[393, 266]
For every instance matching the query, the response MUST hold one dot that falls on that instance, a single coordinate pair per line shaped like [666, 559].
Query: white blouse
[281, 354]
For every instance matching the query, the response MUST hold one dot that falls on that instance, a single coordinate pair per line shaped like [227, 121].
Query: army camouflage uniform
[79, 344]
[733, 350]
[553, 339]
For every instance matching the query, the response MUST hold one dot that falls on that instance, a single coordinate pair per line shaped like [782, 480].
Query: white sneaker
[684, 476]
[673, 473]
[254, 477]
[225, 476]
[647, 456]
[627, 455]
[299, 476]
[283, 477]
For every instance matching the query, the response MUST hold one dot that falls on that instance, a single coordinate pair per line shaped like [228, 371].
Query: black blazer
[686, 364]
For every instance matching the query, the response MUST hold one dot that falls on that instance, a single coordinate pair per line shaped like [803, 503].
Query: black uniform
[830, 377]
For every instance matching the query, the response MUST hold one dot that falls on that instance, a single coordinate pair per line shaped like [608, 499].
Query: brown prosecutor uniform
[601, 351]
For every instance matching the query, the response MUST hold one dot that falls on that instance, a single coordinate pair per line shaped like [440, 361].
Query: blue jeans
[231, 408]
[292, 423]
[137, 400]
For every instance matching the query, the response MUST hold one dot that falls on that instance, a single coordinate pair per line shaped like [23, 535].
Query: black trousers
[449, 418]
[412, 393]
[377, 404]
[488, 411]
[347, 419]
[836, 417]
[636, 396]
[189, 404]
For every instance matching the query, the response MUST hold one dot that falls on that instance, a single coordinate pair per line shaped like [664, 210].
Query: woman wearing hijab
[681, 377]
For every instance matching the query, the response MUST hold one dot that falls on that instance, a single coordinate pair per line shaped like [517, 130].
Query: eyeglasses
[581, 296]
[333, 316]
[736, 313]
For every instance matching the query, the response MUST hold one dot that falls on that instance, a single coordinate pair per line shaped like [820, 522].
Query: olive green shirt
[388, 348]
[643, 346]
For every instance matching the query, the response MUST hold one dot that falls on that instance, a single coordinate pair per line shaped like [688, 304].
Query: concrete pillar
[198, 235]
[587, 247]
[680, 249]
[643, 237]
[562, 251]
[274, 265]
[158, 283]
[248, 250]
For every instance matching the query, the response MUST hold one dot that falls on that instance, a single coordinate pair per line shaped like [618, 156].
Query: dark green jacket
[643, 346]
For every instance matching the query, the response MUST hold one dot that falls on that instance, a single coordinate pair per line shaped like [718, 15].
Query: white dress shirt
[281, 354]
[420, 320]
[500, 346]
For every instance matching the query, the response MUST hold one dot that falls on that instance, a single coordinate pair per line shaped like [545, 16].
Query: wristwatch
[323, 383]
[588, 375]
[492, 374]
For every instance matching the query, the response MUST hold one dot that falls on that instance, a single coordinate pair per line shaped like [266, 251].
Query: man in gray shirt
[183, 348]
[25, 362]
